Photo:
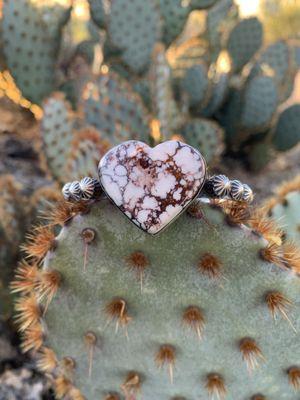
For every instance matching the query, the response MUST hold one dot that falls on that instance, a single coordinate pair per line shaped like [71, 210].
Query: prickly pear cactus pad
[54, 14]
[260, 155]
[12, 226]
[87, 148]
[97, 10]
[134, 27]
[71, 151]
[218, 94]
[188, 54]
[195, 84]
[12, 232]
[110, 105]
[277, 60]
[244, 41]
[162, 99]
[260, 103]
[30, 51]
[288, 213]
[201, 4]
[57, 132]
[207, 136]
[296, 50]
[186, 314]
[230, 116]
[174, 15]
[287, 131]
[285, 205]
[218, 16]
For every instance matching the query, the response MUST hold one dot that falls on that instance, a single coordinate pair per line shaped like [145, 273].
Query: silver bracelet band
[216, 186]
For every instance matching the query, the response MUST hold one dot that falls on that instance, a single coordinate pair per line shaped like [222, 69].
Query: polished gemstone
[152, 186]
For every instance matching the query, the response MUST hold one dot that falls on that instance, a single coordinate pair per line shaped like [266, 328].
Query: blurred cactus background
[78, 77]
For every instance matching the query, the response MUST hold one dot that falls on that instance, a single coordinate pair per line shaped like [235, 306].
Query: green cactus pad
[219, 19]
[163, 103]
[86, 49]
[287, 212]
[230, 116]
[29, 49]
[244, 41]
[78, 69]
[277, 60]
[174, 15]
[118, 336]
[115, 64]
[112, 107]
[140, 84]
[259, 155]
[194, 51]
[54, 16]
[134, 27]
[110, 51]
[284, 206]
[57, 133]
[218, 94]
[93, 30]
[12, 226]
[201, 4]
[87, 149]
[195, 85]
[288, 87]
[142, 88]
[98, 13]
[70, 89]
[297, 55]
[2, 57]
[259, 103]
[287, 131]
[207, 136]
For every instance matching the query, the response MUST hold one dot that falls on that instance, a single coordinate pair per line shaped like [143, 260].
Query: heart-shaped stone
[152, 186]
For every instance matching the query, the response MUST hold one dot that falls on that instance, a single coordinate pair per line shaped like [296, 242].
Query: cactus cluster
[172, 82]
[114, 313]
[208, 308]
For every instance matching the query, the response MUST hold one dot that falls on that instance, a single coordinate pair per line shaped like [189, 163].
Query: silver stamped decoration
[152, 186]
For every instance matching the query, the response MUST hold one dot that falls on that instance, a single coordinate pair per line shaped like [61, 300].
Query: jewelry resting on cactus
[87, 189]
[152, 186]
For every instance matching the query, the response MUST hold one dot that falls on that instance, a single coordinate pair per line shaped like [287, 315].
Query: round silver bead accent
[87, 187]
[248, 195]
[66, 191]
[221, 185]
[75, 192]
[97, 188]
[237, 190]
